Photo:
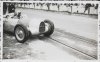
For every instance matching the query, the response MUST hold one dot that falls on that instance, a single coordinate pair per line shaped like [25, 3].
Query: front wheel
[21, 33]
[49, 26]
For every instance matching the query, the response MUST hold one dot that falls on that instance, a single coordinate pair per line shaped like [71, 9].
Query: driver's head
[17, 13]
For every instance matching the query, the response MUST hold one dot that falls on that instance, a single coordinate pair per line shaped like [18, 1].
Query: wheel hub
[19, 34]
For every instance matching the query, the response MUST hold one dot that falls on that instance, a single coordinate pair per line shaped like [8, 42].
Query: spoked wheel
[21, 33]
[49, 27]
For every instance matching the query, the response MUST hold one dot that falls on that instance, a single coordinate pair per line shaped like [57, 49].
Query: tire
[51, 28]
[21, 33]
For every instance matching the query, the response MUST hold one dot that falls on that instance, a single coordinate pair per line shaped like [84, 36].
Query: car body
[23, 27]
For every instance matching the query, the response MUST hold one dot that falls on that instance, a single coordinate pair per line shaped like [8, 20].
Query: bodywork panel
[10, 23]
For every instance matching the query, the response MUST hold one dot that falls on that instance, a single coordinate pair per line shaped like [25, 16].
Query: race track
[74, 37]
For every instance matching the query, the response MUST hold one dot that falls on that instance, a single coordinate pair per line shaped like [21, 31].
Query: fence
[71, 8]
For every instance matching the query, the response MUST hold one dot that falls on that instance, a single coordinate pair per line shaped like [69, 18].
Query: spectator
[96, 7]
[87, 8]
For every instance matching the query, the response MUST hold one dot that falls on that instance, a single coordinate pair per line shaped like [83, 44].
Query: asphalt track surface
[60, 45]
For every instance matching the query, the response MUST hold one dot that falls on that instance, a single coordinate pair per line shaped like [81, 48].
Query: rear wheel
[49, 27]
[21, 33]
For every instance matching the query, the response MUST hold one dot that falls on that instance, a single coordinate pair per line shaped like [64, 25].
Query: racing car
[23, 27]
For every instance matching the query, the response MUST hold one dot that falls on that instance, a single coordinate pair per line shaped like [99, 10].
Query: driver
[17, 14]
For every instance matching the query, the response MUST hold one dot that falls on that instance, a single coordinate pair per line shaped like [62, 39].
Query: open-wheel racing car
[23, 27]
